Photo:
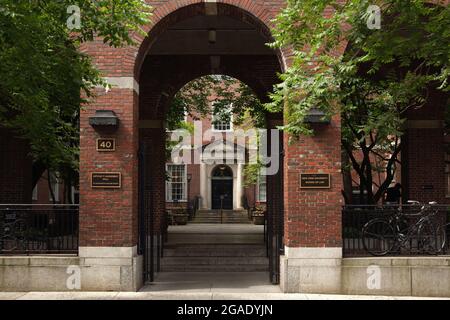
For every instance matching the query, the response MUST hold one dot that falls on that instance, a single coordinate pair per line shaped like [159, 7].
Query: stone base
[323, 270]
[100, 269]
[110, 269]
[398, 276]
[311, 270]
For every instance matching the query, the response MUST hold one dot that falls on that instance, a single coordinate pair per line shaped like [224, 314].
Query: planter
[259, 220]
[180, 219]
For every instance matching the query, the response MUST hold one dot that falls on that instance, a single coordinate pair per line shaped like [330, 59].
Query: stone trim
[107, 252]
[123, 83]
[313, 253]
[211, 7]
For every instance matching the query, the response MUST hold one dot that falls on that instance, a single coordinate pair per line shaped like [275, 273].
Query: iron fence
[407, 236]
[38, 229]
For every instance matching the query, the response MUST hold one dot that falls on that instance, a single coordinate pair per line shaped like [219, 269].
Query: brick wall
[313, 216]
[108, 217]
[15, 169]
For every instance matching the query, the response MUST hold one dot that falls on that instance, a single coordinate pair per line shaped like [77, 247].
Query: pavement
[198, 286]
[189, 296]
[204, 285]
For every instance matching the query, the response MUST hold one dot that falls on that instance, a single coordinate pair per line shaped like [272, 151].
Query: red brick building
[201, 181]
[305, 223]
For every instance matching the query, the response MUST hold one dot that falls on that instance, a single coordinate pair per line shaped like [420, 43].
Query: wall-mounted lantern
[106, 119]
[212, 36]
[316, 116]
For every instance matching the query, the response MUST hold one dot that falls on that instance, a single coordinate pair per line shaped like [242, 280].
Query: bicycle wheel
[442, 234]
[378, 237]
[431, 240]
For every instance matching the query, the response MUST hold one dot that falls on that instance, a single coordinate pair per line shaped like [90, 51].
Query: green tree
[43, 74]
[382, 74]
[216, 94]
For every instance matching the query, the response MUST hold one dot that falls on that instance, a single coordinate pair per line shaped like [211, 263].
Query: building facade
[220, 171]
[124, 193]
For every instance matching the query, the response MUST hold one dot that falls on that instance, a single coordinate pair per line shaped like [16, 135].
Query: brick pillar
[155, 162]
[109, 217]
[313, 239]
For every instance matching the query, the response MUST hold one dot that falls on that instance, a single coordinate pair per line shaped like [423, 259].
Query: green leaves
[43, 75]
[220, 95]
[382, 74]
[413, 40]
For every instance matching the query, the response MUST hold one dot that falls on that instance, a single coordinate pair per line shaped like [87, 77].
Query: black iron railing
[38, 229]
[359, 244]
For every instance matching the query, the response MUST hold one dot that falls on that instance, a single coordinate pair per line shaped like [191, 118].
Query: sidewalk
[187, 296]
[198, 286]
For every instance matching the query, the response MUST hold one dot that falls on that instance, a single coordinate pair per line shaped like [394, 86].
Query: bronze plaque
[108, 180]
[315, 181]
[106, 145]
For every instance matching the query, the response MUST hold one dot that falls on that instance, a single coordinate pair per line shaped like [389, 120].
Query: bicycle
[12, 235]
[385, 235]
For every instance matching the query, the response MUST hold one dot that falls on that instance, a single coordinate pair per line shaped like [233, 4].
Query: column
[204, 186]
[108, 233]
[313, 228]
[239, 186]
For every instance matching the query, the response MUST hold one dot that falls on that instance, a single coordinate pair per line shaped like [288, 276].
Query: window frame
[260, 181]
[169, 183]
[213, 126]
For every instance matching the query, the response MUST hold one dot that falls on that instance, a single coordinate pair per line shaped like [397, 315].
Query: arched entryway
[222, 188]
[210, 43]
[183, 42]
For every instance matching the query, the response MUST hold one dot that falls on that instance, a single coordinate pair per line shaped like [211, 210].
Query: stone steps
[213, 261]
[216, 268]
[214, 251]
[215, 217]
[219, 221]
[217, 257]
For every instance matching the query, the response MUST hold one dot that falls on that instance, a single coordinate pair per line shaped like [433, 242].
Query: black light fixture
[212, 36]
[104, 119]
[189, 177]
[316, 116]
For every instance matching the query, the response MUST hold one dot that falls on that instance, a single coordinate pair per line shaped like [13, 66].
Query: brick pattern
[15, 169]
[109, 217]
[313, 216]
[128, 61]
[425, 165]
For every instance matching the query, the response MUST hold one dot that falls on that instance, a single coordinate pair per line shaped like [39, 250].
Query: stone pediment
[221, 151]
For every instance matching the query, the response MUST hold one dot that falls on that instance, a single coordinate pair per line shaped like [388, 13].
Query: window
[34, 195]
[177, 182]
[262, 189]
[54, 183]
[447, 174]
[223, 121]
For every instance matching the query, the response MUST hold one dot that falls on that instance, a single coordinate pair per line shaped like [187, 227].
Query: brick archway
[256, 13]
[142, 88]
[161, 75]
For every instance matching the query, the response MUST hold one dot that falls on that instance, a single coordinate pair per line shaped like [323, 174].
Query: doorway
[222, 188]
